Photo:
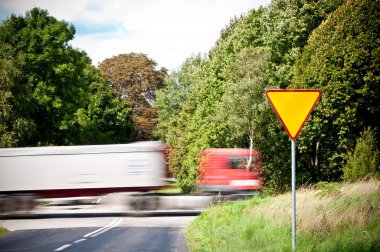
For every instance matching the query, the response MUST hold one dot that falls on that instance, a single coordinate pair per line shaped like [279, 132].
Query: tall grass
[345, 219]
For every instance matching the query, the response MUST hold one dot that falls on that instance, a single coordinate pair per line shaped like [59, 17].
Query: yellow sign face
[293, 107]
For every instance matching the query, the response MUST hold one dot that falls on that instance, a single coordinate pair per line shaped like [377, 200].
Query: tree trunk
[250, 152]
[316, 161]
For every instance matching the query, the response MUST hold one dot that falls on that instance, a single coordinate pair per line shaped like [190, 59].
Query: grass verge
[172, 188]
[3, 231]
[344, 219]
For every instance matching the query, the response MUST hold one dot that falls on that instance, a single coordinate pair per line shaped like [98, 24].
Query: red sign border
[293, 90]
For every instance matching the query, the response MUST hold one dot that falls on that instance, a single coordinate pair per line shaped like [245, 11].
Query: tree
[287, 24]
[200, 128]
[235, 76]
[47, 83]
[243, 104]
[106, 118]
[134, 77]
[174, 114]
[171, 99]
[15, 127]
[342, 59]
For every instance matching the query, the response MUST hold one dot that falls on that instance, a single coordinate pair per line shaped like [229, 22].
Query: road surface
[96, 234]
[87, 228]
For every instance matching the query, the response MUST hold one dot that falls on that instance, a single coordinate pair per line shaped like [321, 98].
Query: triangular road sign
[293, 107]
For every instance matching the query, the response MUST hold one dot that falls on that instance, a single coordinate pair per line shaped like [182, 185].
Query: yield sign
[293, 107]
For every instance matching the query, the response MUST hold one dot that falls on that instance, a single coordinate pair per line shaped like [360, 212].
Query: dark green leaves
[51, 95]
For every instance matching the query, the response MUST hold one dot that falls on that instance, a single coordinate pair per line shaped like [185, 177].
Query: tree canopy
[342, 58]
[50, 92]
[134, 78]
[219, 102]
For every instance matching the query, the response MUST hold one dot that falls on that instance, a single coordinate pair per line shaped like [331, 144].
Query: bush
[364, 160]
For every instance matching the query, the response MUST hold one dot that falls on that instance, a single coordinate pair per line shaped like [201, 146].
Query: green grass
[172, 188]
[43, 202]
[343, 217]
[3, 231]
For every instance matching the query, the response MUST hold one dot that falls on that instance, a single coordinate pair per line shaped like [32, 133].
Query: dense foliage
[364, 160]
[218, 101]
[50, 94]
[134, 77]
[342, 59]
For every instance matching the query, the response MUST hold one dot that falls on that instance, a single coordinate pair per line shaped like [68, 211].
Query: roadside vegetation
[51, 94]
[3, 231]
[218, 100]
[171, 188]
[330, 217]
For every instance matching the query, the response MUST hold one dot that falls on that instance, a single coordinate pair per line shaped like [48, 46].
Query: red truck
[226, 170]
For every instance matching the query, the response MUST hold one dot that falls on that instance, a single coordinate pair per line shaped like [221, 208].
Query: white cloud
[168, 31]
[67, 9]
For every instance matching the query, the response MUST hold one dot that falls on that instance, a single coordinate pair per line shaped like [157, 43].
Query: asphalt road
[96, 234]
[100, 224]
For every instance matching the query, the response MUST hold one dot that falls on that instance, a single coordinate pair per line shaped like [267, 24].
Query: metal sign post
[293, 194]
[293, 108]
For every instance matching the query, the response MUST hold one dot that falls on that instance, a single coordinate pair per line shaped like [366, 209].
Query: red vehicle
[228, 170]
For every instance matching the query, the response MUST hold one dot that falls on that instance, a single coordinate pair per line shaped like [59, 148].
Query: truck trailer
[72, 171]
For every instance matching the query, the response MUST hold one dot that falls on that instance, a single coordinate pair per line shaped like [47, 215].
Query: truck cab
[228, 170]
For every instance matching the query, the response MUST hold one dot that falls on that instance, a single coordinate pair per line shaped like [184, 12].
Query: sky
[168, 31]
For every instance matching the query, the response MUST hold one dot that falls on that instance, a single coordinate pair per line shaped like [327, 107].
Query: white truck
[70, 171]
